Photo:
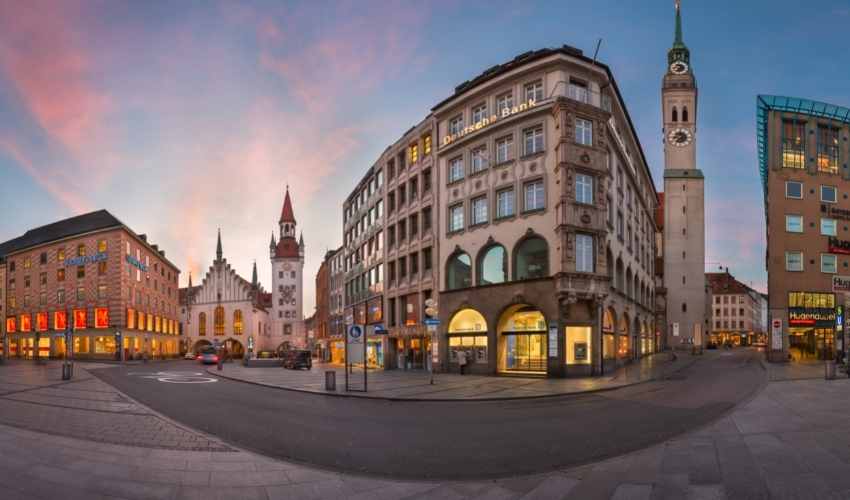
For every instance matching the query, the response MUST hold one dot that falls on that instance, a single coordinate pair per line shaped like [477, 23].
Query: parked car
[266, 354]
[295, 359]
[190, 355]
[207, 356]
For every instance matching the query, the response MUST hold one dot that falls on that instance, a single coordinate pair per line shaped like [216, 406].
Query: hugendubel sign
[839, 246]
[841, 284]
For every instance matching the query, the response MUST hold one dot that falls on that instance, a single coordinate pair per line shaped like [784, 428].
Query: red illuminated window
[101, 317]
[60, 320]
[41, 321]
[10, 325]
[79, 319]
[26, 323]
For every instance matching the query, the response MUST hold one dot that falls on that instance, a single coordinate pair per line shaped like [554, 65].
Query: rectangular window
[827, 149]
[794, 190]
[794, 223]
[584, 132]
[81, 293]
[101, 268]
[426, 144]
[534, 91]
[828, 227]
[413, 153]
[81, 250]
[479, 210]
[101, 246]
[60, 274]
[456, 125]
[81, 272]
[414, 264]
[533, 139]
[793, 261]
[584, 253]
[455, 169]
[426, 181]
[503, 149]
[479, 159]
[584, 189]
[504, 102]
[505, 203]
[60, 256]
[828, 263]
[828, 194]
[534, 196]
[426, 259]
[60, 296]
[426, 219]
[456, 218]
[479, 113]
[578, 91]
[793, 144]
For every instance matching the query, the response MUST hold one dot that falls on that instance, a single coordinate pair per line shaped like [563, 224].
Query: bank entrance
[522, 341]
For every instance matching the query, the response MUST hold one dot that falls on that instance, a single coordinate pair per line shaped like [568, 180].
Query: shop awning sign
[811, 316]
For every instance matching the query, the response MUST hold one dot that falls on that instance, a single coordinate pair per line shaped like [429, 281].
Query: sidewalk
[415, 385]
[790, 441]
[798, 370]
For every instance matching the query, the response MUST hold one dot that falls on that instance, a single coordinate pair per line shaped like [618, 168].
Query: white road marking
[177, 377]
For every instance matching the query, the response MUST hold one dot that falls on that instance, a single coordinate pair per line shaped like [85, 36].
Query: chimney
[155, 247]
[162, 252]
[143, 237]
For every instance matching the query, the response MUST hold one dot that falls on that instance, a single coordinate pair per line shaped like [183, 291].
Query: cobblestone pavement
[36, 398]
[791, 441]
[415, 385]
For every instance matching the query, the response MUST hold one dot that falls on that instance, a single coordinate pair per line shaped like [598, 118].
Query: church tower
[684, 200]
[287, 259]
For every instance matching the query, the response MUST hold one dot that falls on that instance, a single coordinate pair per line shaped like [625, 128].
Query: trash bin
[829, 373]
[330, 380]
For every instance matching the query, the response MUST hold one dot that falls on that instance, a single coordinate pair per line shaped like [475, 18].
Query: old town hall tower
[287, 259]
[684, 200]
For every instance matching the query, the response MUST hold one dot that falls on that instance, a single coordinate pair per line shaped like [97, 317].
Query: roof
[286, 248]
[80, 224]
[183, 292]
[725, 283]
[287, 215]
[534, 55]
[767, 103]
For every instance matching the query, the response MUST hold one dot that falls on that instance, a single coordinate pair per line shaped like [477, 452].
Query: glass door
[525, 352]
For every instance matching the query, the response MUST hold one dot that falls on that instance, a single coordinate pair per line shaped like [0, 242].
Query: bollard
[829, 370]
[330, 380]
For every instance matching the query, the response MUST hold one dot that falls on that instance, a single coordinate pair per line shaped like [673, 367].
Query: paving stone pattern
[791, 441]
[415, 385]
[35, 398]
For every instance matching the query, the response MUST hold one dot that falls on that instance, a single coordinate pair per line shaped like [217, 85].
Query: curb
[662, 376]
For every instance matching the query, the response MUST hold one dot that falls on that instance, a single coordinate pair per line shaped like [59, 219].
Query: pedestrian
[461, 361]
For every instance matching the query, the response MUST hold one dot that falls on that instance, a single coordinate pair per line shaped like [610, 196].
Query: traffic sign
[432, 321]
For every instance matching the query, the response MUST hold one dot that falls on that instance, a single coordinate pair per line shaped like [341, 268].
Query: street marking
[176, 377]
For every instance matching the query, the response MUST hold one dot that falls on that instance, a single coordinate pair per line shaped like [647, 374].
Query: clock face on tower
[680, 137]
[679, 68]
[287, 266]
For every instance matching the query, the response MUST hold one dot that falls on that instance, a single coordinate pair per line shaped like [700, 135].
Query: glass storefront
[337, 352]
[578, 345]
[474, 345]
[811, 343]
[375, 353]
[522, 341]
[104, 346]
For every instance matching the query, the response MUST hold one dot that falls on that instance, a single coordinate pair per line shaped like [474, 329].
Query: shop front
[467, 331]
[811, 326]
[337, 348]
[521, 335]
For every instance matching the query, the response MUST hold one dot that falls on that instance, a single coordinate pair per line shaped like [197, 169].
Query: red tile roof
[287, 215]
[286, 247]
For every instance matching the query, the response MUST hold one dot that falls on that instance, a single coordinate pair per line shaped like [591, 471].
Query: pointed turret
[254, 276]
[679, 51]
[287, 218]
[218, 252]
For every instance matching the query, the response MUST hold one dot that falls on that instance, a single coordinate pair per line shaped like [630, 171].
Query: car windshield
[208, 350]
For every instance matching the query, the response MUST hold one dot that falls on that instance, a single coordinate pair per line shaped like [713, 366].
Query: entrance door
[417, 354]
[525, 352]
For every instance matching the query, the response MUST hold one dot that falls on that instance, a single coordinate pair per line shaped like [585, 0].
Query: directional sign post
[355, 352]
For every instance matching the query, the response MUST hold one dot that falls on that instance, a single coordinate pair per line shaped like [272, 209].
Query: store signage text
[841, 284]
[835, 212]
[135, 262]
[802, 316]
[484, 122]
[86, 259]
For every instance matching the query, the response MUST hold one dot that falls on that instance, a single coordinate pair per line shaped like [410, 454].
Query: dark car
[207, 356]
[295, 359]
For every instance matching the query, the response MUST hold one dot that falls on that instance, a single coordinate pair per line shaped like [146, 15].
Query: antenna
[596, 52]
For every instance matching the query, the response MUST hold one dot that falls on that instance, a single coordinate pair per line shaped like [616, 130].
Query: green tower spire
[679, 51]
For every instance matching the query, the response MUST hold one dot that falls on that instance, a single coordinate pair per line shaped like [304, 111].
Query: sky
[182, 117]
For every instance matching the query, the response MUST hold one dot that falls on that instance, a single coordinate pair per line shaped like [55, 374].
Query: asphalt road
[446, 440]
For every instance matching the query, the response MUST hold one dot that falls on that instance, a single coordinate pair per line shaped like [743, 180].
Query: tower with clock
[684, 200]
[287, 259]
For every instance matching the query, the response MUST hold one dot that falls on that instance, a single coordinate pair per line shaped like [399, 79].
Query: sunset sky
[182, 117]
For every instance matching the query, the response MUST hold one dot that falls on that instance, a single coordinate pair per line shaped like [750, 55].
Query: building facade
[803, 154]
[322, 316]
[93, 274]
[684, 201]
[336, 322]
[287, 259]
[735, 311]
[225, 309]
[547, 204]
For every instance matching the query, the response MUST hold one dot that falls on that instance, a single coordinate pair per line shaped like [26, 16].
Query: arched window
[492, 265]
[459, 271]
[219, 321]
[531, 259]
[675, 114]
[684, 113]
[202, 324]
[237, 322]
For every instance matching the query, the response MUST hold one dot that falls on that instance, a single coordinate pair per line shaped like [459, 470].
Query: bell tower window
[675, 114]
[684, 113]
